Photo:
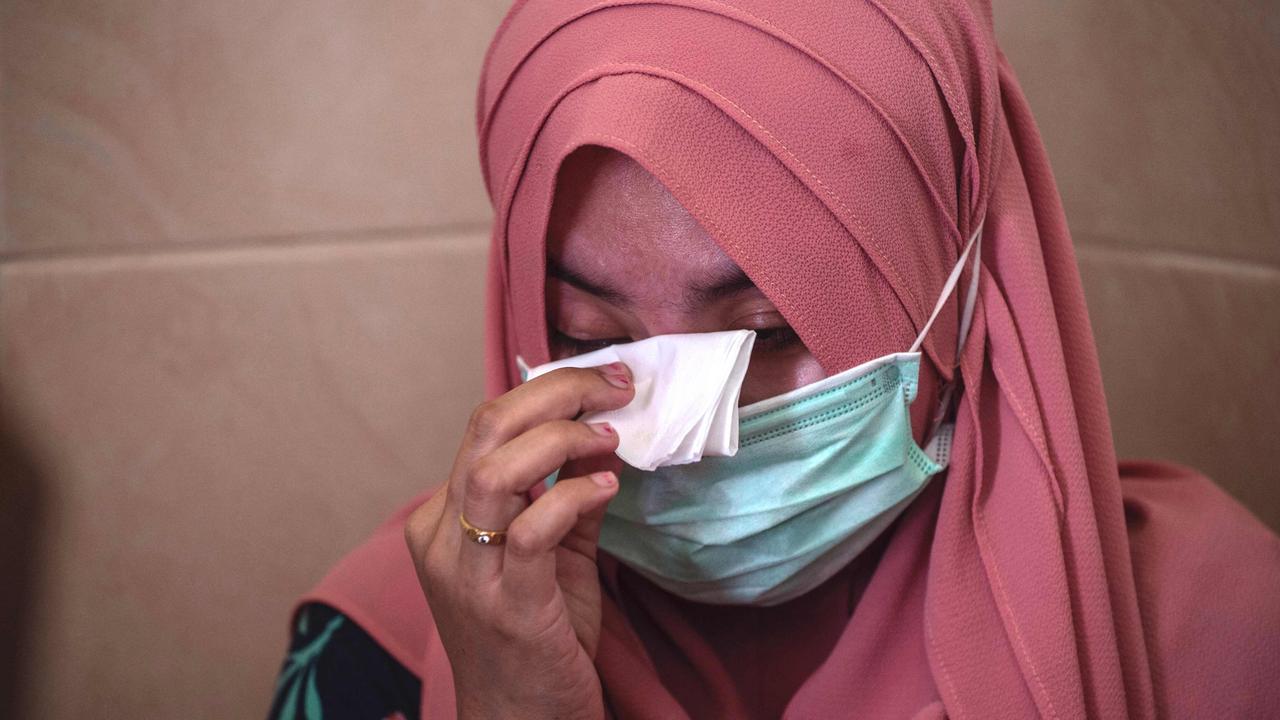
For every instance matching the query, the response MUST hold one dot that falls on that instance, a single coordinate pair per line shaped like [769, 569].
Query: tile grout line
[1084, 244]
[230, 245]
[1176, 258]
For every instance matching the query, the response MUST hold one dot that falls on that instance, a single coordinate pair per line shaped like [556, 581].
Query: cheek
[774, 373]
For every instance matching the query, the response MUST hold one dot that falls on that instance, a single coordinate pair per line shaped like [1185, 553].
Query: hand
[520, 622]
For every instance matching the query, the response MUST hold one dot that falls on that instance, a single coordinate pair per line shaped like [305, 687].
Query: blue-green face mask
[820, 472]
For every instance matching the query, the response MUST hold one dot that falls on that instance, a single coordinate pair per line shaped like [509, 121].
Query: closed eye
[775, 338]
[767, 339]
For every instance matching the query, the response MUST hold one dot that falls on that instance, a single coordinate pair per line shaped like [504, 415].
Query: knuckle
[486, 421]
[418, 528]
[413, 535]
[521, 540]
[486, 478]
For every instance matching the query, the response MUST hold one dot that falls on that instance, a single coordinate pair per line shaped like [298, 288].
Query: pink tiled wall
[241, 251]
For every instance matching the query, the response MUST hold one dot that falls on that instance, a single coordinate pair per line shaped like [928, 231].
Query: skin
[521, 622]
[626, 261]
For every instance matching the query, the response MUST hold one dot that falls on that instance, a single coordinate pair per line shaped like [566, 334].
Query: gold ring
[481, 537]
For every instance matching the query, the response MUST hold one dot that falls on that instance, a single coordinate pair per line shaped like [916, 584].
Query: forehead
[612, 218]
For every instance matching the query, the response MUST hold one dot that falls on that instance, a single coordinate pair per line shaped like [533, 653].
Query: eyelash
[767, 339]
[576, 346]
[775, 338]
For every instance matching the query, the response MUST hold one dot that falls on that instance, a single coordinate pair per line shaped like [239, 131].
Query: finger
[528, 459]
[607, 462]
[564, 393]
[585, 536]
[529, 565]
[495, 486]
[421, 532]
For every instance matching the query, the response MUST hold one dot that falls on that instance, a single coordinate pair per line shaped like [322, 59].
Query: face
[626, 261]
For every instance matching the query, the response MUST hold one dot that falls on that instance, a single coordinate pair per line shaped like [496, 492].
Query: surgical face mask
[818, 474]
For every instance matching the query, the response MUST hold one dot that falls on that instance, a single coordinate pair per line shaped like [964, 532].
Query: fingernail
[617, 375]
[604, 479]
[602, 428]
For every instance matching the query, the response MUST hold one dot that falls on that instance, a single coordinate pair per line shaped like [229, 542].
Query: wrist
[495, 711]
[490, 705]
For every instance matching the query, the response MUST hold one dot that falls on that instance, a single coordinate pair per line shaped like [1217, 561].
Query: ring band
[481, 537]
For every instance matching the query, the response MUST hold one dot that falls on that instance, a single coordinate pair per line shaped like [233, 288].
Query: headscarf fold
[841, 153]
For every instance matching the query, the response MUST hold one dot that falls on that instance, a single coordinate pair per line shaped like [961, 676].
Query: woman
[816, 172]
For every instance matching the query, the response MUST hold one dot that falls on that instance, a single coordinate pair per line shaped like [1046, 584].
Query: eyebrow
[604, 292]
[727, 283]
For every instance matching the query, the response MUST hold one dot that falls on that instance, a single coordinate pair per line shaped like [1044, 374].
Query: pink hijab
[841, 152]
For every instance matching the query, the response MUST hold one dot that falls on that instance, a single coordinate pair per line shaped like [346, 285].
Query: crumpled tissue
[686, 401]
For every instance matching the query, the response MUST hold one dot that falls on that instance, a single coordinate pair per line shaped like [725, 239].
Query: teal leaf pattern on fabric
[313, 708]
[300, 672]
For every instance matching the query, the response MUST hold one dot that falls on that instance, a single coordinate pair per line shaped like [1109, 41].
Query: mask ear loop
[949, 287]
[966, 318]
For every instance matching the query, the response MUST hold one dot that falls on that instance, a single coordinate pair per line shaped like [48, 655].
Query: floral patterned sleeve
[335, 671]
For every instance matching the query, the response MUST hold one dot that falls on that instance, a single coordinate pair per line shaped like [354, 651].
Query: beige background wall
[241, 250]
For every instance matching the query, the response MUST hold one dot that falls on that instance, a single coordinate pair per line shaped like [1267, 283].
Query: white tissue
[686, 402]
